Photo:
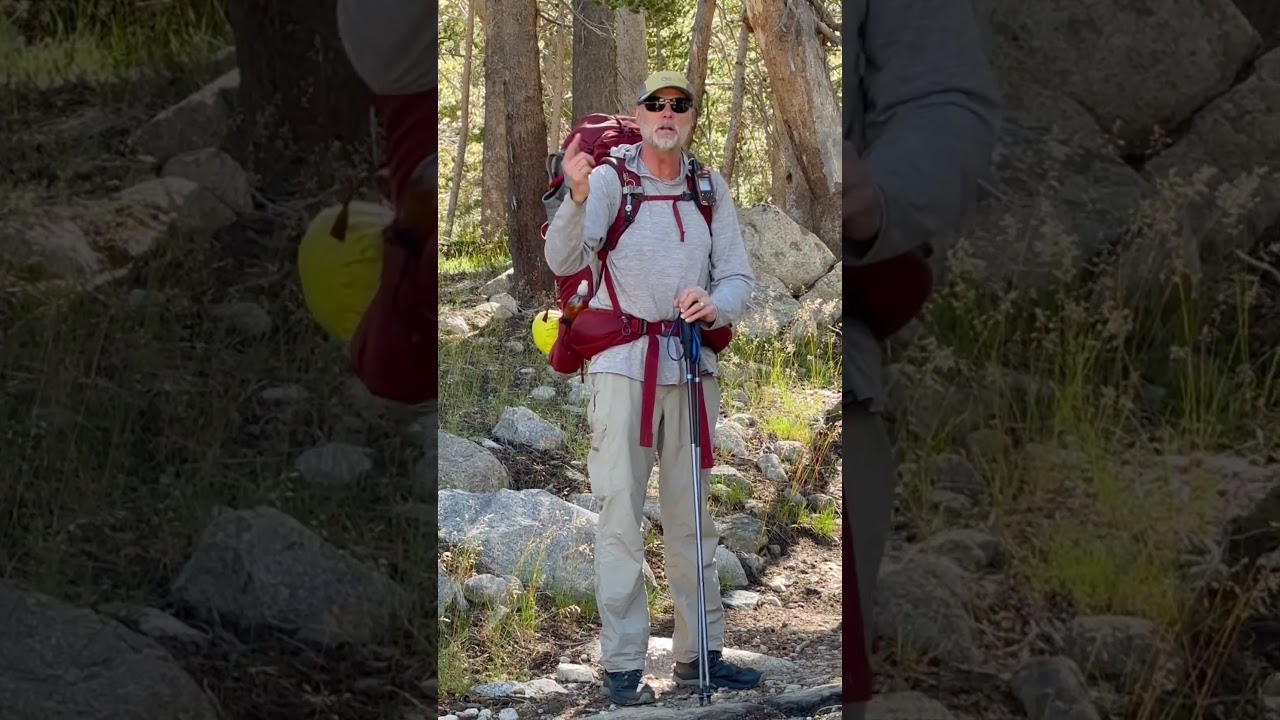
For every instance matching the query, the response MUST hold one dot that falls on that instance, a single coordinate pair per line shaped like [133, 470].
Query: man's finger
[572, 151]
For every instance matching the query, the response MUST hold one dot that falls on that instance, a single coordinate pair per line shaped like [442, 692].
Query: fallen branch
[1259, 265]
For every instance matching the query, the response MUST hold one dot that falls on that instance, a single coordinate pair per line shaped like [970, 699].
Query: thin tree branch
[824, 16]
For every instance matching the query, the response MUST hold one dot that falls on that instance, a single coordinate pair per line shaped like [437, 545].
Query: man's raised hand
[577, 168]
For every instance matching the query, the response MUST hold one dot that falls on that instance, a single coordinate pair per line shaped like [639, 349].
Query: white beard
[665, 141]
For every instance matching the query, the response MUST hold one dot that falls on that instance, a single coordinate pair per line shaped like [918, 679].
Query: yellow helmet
[546, 327]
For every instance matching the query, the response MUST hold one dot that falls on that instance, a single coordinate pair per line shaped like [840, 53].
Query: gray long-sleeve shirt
[651, 266]
[921, 107]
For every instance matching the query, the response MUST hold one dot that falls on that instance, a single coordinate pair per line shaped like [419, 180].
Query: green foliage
[669, 26]
[657, 12]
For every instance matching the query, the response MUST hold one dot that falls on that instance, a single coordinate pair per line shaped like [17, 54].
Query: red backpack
[395, 349]
[599, 134]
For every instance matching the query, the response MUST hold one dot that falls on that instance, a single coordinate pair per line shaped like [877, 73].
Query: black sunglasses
[679, 106]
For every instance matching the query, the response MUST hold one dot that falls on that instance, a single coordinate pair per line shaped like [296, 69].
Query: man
[667, 263]
[920, 122]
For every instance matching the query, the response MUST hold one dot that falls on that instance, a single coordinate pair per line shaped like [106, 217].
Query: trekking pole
[692, 345]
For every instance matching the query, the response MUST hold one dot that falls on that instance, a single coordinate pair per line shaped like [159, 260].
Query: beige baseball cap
[665, 79]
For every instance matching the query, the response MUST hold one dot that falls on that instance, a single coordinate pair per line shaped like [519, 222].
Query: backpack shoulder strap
[629, 204]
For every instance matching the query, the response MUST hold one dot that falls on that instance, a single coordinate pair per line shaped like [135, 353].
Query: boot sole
[644, 699]
[693, 683]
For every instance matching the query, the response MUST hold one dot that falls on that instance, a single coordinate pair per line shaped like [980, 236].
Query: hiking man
[667, 263]
[920, 122]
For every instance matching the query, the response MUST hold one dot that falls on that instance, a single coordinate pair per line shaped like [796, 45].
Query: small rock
[522, 426]
[250, 319]
[62, 661]
[742, 533]
[465, 465]
[820, 502]
[972, 550]
[261, 567]
[731, 438]
[1115, 648]
[1053, 687]
[578, 392]
[921, 604]
[533, 690]
[951, 505]
[334, 464]
[791, 451]
[491, 590]
[908, 706]
[216, 171]
[730, 570]
[448, 592]
[1271, 697]
[952, 473]
[542, 393]
[574, 673]
[793, 498]
[508, 714]
[507, 302]
[771, 466]
[498, 286]
[741, 600]
[730, 476]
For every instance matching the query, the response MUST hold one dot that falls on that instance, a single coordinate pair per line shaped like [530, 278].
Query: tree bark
[603, 38]
[465, 129]
[513, 25]
[493, 160]
[790, 190]
[557, 90]
[304, 112]
[806, 109]
[735, 113]
[633, 56]
[700, 46]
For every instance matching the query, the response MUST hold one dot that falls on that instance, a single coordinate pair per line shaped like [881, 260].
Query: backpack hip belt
[594, 331]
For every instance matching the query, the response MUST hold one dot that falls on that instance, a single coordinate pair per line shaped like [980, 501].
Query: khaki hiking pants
[869, 485]
[619, 470]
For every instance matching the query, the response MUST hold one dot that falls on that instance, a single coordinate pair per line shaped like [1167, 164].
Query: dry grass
[1089, 390]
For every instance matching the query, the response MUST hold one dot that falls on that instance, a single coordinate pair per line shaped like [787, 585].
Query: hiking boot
[722, 674]
[627, 688]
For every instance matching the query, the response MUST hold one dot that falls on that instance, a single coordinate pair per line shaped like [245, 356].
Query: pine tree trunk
[465, 129]
[493, 161]
[304, 112]
[807, 113]
[513, 27]
[735, 112]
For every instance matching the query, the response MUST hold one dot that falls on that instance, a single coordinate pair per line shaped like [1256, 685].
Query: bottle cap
[582, 288]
